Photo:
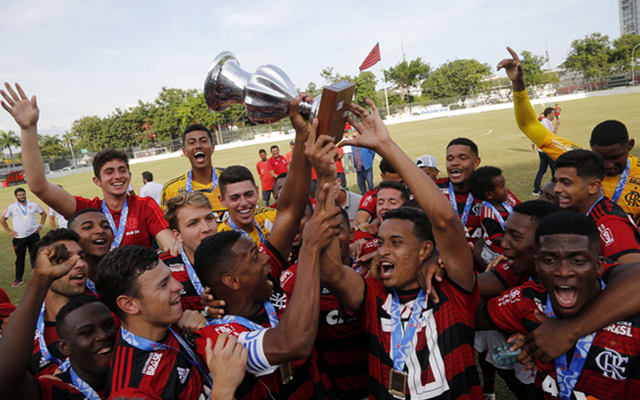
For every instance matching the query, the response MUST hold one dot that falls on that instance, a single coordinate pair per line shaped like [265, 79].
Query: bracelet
[41, 226]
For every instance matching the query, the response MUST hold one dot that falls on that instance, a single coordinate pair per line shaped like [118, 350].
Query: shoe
[17, 283]
[536, 193]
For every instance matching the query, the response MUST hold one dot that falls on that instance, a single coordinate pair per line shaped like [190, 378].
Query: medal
[397, 383]
[285, 373]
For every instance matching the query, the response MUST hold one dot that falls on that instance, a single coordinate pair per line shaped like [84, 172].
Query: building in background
[629, 18]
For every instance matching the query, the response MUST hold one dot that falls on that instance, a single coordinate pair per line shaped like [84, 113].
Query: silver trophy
[265, 94]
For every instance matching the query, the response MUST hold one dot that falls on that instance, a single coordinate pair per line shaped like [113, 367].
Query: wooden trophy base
[334, 109]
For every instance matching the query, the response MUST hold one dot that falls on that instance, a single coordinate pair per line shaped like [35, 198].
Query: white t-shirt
[547, 124]
[153, 190]
[24, 219]
[62, 222]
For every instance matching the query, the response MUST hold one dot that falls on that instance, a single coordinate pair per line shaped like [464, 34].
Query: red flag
[372, 58]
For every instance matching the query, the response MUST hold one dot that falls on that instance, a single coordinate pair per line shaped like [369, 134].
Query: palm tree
[68, 139]
[7, 140]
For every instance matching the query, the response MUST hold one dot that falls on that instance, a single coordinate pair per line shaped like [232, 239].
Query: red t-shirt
[266, 180]
[278, 166]
[339, 166]
[145, 219]
[369, 202]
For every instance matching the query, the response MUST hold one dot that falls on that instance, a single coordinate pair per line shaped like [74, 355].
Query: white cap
[427, 161]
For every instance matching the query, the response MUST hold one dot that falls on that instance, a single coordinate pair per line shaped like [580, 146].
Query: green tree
[590, 57]
[532, 68]
[7, 140]
[365, 85]
[455, 79]
[620, 58]
[313, 90]
[407, 74]
[88, 131]
[51, 147]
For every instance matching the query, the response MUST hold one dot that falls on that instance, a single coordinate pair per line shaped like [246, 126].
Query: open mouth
[176, 301]
[245, 212]
[564, 201]
[118, 184]
[199, 156]
[455, 173]
[566, 295]
[387, 269]
[79, 277]
[99, 242]
[104, 350]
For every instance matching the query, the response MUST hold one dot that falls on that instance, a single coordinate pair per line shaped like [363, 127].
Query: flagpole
[386, 98]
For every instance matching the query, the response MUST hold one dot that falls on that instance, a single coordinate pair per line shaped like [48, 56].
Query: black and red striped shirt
[39, 365]
[188, 296]
[441, 362]
[612, 368]
[618, 233]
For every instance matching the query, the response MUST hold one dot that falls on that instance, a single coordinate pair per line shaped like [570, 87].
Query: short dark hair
[421, 223]
[197, 127]
[568, 222]
[274, 147]
[262, 151]
[214, 256]
[106, 155]
[481, 181]
[588, 164]
[549, 110]
[234, 174]
[281, 176]
[79, 213]
[536, 209]
[72, 305]
[18, 190]
[465, 142]
[404, 192]
[608, 133]
[148, 176]
[118, 272]
[53, 236]
[386, 168]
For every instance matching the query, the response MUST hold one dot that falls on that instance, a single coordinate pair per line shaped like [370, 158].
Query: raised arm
[295, 194]
[26, 114]
[17, 339]
[447, 227]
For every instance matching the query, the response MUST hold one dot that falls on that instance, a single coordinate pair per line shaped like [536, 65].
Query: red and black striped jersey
[341, 343]
[163, 373]
[188, 295]
[612, 368]
[491, 223]
[263, 381]
[474, 221]
[369, 202]
[39, 365]
[441, 363]
[62, 389]
[506, 276]
[618, 233]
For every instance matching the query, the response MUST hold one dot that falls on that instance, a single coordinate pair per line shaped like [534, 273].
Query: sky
[85, 58]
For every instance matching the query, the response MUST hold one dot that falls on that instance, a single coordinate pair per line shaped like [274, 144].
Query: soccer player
[85, 330]
[579, 176]
[95, 240]
[277, 164]
[25, 228]
[266, 180]
[568, 265]
[191, 220]
[367, 208]
[609, 138]
[150, 359]
[239, 194]
[134, 220]
[435, 351]
[198, 147]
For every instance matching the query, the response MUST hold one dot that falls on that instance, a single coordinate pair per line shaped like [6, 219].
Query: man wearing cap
[429, 165]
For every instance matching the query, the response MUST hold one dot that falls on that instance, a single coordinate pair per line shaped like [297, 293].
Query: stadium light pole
[633, 65]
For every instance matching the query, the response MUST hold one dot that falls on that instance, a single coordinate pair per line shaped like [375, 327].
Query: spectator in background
[348, 154]
[151, 189]
[340, 169]
[429, 165]
[277, 164]
[545, 160]
[363, 164]
[54, 215]
[289, 154]
[25, 228]
[557, 110]
[266, 180]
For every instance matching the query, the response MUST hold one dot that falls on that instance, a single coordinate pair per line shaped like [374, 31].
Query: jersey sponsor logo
[622, 328]
[612, 364]
[633, 198]
[151, 364]
[43, 362]
[134, 232]
[509, 298]
[132, 222]
[183, 373]
[225, 329]
[279, 300]
[605, 235]
[176, 267]
[284, 278]
[477, 209]
[334, 318]
[221, 216]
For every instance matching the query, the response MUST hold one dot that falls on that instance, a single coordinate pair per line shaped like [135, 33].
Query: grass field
[500, 142]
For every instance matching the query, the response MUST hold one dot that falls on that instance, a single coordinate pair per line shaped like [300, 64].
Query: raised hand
[373, 133]
[226, 361]
[321, 152]
[24, 111]
[513, 68]
[300, 124]
[54, 262]
[320, 230]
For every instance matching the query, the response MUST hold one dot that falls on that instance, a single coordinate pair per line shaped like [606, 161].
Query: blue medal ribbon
[401, 344]
[193, 277]
[91, 286]
[23, 210]
[467, 206]
[84, 388]
[231, 319]
[506, 206]
[568, 376]
[245, 233]
[622, 182]
[594, 204]
[118, 232]
[214, 181]
[41, 341]
[149, 345]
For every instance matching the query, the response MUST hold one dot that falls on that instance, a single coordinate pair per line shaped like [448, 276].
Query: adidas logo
[183, 373]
